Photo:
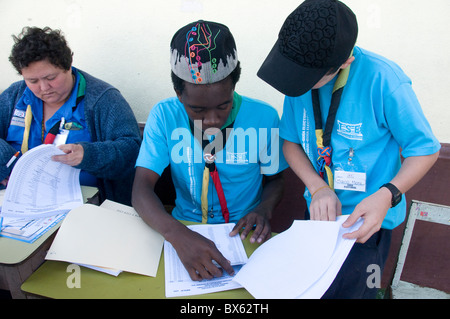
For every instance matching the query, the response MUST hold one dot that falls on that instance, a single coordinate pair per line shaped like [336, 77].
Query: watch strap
[396, 194]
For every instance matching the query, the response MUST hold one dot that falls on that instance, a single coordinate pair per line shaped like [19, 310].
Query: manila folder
[103, 237]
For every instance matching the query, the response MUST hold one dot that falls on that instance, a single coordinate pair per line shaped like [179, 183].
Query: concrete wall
[126, 42]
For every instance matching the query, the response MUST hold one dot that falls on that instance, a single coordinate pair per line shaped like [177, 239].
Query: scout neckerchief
[55, 129]
[210, 169]
[323, 138]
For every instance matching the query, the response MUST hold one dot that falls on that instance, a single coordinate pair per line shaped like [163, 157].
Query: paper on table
[39, 187]
[109, 271]
[28, 230]
[292, 262]
[177, 279]
[110, 238]
[231, 248]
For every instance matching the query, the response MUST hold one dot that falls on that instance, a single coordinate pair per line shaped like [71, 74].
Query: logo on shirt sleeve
[350, 131]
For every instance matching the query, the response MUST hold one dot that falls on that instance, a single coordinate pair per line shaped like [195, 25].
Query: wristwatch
[396, 194]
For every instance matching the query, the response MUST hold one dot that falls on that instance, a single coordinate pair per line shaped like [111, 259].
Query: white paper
[39, 187]
[300, 262]
[343, 247]
[231, 248]
[108, 238]
[177, 279]
[109, 271]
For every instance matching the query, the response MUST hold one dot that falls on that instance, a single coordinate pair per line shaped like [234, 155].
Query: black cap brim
[288, 77]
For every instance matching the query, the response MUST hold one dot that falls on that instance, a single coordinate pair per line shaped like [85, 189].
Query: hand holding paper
[325, 205]
[301, 262]
[39, 187]
[73, 154]
[373, 209]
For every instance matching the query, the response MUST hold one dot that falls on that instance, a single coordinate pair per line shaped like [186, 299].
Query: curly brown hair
[35, 44]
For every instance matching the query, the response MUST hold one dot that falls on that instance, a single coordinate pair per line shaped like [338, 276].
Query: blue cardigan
[115, 134]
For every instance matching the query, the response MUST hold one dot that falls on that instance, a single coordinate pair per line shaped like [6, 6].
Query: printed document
[39, 187]
[112, 236]
[178, 281]
[27, 230]
[300, 262]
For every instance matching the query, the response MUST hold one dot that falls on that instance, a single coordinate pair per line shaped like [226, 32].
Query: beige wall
[126, 42]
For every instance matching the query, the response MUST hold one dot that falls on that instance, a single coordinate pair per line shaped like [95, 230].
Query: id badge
[61, 138]
[350, 176]
[350, 181]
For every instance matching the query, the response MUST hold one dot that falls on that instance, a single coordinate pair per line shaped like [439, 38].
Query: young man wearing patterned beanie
[347, 114]
[223, 150]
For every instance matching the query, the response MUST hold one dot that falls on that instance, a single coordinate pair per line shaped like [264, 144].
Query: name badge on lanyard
[63, 134]
[350, 176]
[61, 138]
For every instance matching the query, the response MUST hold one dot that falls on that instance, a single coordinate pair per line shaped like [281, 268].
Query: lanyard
[323, 137]
[210, 169]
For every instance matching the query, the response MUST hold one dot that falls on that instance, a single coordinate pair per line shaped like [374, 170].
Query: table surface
[14, 251]
[50, 280]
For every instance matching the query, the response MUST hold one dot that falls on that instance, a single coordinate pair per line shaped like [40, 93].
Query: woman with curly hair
[100, 133]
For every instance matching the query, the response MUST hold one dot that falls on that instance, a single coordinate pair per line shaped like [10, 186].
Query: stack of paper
[26, 229]
[112, 236]
[39, 194]
[301, 262]
[178, 281]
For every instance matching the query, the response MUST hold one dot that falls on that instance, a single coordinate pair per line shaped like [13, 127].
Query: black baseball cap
[317, 36]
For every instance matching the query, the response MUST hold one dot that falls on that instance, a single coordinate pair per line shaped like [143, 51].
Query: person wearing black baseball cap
[226, 163]
[346, 115]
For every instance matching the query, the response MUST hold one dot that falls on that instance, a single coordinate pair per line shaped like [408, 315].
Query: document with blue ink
[27, 230]
[177, 280]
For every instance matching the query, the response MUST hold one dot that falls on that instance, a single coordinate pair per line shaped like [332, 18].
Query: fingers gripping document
[39, 187]
[177, 280]
[301, 262]
[39, 194]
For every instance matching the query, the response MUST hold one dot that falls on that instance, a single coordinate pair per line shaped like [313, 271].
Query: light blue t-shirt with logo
[253, 149]
[379, 116]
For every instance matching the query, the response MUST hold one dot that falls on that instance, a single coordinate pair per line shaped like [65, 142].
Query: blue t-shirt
[378, 116]
[71, 112]
[253, 148]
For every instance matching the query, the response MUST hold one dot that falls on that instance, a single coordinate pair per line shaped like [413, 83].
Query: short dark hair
[34, 44]
[178, 83]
